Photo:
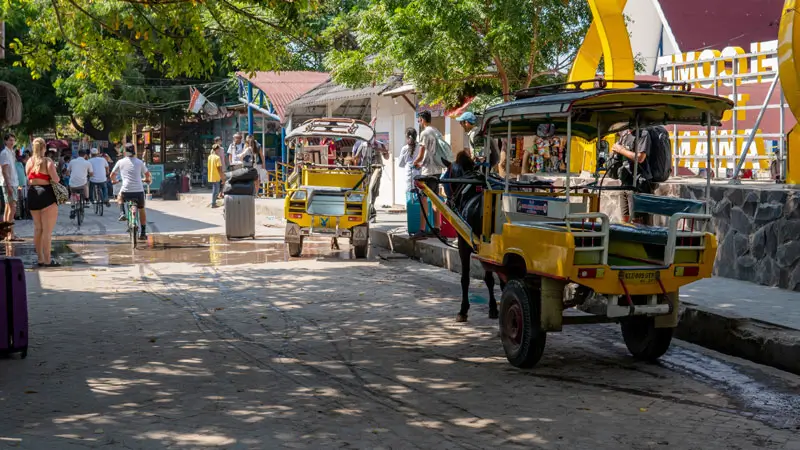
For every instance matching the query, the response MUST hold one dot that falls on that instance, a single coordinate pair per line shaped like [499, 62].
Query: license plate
[640, 277]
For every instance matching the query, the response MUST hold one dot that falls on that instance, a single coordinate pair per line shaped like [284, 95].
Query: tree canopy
[451, 49]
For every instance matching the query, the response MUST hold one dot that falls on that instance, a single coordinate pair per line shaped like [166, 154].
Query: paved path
[332, 353]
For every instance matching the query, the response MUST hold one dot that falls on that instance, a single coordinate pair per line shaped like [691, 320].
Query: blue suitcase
[414, 213]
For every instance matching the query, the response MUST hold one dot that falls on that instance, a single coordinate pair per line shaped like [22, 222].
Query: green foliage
[450, 49]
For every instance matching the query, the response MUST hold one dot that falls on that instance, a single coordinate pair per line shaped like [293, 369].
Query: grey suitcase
[240, 216]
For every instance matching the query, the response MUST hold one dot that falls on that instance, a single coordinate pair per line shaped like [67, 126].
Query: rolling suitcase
[13, 307]
[240, 216]
[414, 213]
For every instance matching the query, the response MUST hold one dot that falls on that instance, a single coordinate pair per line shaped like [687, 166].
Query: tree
[451, 49]
[40, 103]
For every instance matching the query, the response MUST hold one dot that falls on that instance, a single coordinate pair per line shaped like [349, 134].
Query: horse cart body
[545, 243]
[327, 199]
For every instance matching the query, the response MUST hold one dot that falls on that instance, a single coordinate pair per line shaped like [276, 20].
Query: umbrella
[58, 144]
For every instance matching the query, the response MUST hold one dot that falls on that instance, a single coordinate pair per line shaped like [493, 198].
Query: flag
[196, 100]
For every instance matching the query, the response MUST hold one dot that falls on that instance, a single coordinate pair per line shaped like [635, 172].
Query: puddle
[210, 250]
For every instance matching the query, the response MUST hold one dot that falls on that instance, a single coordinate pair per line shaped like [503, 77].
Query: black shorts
[138, 197]
[40, 197]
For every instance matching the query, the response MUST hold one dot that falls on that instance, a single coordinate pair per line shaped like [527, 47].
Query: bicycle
[76, 211]
[98, 200]
[132, 219]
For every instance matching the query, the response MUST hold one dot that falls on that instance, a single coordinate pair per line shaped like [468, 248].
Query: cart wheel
[520, 329]
[361, 250]
[643, 339]
[295, 249]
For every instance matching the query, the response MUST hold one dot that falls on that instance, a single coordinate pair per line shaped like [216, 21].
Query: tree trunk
[90, 130]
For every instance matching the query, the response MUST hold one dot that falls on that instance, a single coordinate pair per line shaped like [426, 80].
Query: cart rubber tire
[296, 249]
[520, 328]
[360, 251]
[643, 339]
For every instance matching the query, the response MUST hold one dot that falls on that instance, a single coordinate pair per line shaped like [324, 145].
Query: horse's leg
[464, 252]
[334, 243]
[488, 278]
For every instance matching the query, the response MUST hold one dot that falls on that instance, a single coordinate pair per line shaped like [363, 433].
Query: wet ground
[203, 250]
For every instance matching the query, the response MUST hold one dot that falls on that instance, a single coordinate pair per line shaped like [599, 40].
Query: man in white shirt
[79, 170]
[132, 169]
[9, 181]
[99, 178]
[235, 151]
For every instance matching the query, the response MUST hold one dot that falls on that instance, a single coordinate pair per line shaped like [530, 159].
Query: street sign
[156, 176]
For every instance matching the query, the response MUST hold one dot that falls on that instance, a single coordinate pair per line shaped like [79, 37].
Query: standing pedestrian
[476, 141]
[215, 174]
[235, 151]
[428, 166]
[41, 171]
[100, 171]
[407, 155]
[629, 150]
[22, 192]
[10, 182]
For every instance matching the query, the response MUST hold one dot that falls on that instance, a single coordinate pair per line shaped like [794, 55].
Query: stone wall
[758, 231]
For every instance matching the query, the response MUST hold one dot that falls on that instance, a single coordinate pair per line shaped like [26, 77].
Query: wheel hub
[513, 323]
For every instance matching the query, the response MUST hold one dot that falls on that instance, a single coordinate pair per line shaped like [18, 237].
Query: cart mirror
[602, 146]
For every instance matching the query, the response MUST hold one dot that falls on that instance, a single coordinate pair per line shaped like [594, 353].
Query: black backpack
[660, 158]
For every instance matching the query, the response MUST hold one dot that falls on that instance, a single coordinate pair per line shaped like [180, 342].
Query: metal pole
[782, 141]
[249, 108]
[569, 152]
[752, 136]
[716, 130]
[708, 163]
[735, 118]
[636, 152]
[508, 155]
[675, 156]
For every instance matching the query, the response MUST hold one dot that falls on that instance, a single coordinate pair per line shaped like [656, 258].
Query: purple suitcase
[13, 307]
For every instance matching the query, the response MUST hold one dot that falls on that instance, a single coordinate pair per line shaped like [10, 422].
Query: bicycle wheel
[79, 212]
[133, 224]
[98, 201]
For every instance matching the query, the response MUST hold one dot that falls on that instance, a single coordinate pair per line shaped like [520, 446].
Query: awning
[402, 90]
[331, 92]
[281, 88]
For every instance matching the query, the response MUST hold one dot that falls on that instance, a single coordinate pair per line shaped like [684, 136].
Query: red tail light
[296, 216]
[687, 271]
[590, 273]
[353, 219]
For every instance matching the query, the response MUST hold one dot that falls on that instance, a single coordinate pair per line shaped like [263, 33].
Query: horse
[467, 201]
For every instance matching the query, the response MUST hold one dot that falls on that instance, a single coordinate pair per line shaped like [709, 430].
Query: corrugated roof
[283, 88]
[332, 92]
[716, 24]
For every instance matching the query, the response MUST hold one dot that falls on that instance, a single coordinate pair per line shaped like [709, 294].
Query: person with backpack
[652, 151]
[430, 163]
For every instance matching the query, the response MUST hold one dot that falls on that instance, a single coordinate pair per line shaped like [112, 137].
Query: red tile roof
[284, 87]
[717, 24]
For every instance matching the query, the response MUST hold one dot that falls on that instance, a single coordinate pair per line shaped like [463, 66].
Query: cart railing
[591, 236]
[686, 231]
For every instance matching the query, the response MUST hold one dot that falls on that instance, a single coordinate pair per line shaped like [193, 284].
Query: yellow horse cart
[542, 243]
[322, 198]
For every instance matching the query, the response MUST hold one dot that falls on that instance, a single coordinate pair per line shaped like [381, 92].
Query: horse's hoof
[494, 314]
[461, 318]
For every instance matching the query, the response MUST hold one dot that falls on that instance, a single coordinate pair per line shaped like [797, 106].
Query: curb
[263, 206]
[751, 339]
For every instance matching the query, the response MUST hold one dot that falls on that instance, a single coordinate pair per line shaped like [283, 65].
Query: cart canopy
[333, 128]
[600, 111]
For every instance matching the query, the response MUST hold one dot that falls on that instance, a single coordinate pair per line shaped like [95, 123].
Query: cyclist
[100, 177]
[79, 170]
[131, 169]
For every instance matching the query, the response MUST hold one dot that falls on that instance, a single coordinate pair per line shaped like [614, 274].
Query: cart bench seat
[665, 206]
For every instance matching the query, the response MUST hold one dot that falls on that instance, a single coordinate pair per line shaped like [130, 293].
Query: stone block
[776, 196]
[735, 195]
[722, 209]
[758, 246]
[788, 254]
[717, 193]
[751, 203]
[726, 256]
[787, 230]
[768, 272]
[794, 279]
[741, 244]
[746, 268]
[791, 209]
[768, 212]
[772, 238]
[740, 221]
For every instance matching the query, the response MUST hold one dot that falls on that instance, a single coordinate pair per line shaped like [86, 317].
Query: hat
[129, 149]
[94, 151]
[467, 117]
